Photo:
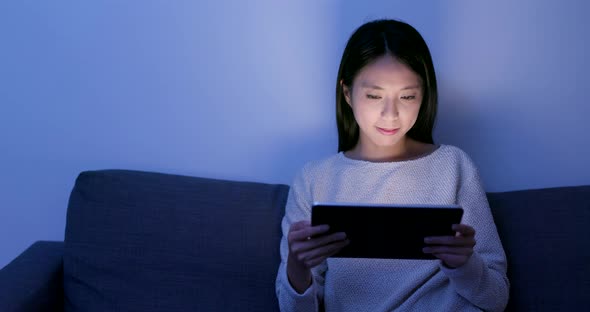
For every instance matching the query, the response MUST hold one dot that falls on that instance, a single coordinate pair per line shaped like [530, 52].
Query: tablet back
[386, 231]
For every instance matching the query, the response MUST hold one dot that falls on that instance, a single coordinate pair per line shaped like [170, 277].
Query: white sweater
[446, 176]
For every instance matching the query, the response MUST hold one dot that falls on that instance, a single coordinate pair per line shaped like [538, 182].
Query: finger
[451, 260]
[322, 251]
[464, 229]
[450, 240]
[308, 232]
[299, 225]
[317, 242]
[448, 250]
[316, 261]
[327, 239]
[316, 257]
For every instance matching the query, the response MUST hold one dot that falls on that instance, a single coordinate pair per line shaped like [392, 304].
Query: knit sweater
[445, 176]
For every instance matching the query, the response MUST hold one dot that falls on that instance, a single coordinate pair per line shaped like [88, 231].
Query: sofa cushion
[545, 235]
[140, 241]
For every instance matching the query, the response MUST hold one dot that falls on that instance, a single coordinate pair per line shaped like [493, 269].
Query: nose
[390, 110]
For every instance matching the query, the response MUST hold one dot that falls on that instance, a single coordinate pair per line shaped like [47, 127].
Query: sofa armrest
[33, 281]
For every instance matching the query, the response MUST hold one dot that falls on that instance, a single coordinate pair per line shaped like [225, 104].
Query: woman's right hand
[308, 247]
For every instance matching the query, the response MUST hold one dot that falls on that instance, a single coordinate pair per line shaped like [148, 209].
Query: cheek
[410, 108]
[364, 111]
[361, 105]
[360, 114]
[410, 113]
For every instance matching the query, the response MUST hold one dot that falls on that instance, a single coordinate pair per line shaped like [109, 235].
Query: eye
[373, 97]
[408, 97]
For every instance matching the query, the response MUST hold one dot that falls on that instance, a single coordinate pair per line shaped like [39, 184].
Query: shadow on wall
[463, 123]
[293, 152]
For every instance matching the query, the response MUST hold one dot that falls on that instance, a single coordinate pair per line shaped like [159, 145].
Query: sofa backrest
[546, 236]
[139, 241]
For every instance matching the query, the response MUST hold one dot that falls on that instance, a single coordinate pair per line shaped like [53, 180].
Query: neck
[405, 149]
[400, 151]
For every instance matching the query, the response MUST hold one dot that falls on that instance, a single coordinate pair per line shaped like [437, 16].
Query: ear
[345, 92]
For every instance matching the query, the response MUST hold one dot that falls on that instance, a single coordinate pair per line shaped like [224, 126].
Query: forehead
[386, 72]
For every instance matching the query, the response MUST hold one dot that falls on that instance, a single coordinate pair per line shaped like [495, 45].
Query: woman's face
[385, 98]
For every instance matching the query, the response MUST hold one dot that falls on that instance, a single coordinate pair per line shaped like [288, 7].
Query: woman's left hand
[454, 251]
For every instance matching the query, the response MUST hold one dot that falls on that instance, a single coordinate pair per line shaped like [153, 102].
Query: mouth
[388, 131]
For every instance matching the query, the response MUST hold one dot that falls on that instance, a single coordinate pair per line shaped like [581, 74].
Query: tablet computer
[386, 231]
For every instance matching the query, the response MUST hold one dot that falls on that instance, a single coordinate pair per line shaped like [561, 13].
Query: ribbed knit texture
[446, 176]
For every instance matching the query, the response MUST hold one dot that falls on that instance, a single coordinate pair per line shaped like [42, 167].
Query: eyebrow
[376, 87]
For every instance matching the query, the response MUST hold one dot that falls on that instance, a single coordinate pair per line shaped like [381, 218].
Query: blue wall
[243, 91]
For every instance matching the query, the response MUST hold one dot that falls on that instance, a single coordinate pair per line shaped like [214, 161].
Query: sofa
[146, 241]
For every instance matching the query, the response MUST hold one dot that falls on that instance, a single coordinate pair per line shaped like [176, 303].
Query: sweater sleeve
[482, 280]
[298, 208]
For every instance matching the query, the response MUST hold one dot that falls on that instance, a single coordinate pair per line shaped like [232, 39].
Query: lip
[388, 131]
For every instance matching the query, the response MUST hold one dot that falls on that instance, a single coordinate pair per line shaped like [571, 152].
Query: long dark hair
[369, 42]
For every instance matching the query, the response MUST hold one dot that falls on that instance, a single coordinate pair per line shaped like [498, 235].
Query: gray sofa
[142, 241]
